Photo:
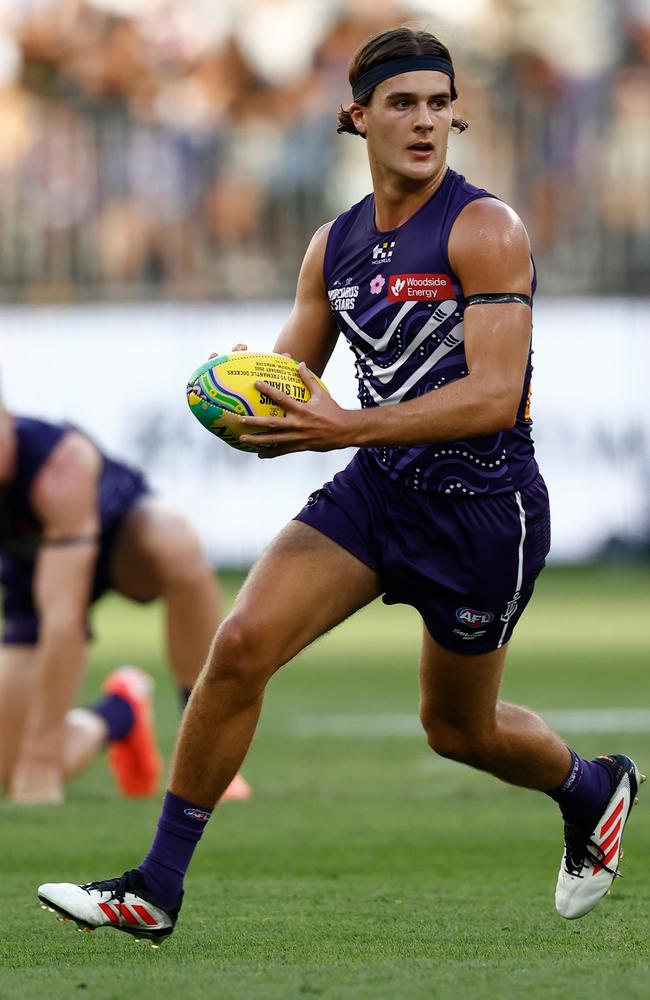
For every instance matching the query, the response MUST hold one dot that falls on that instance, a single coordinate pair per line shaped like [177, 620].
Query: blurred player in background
[73, 524]
[430, 279]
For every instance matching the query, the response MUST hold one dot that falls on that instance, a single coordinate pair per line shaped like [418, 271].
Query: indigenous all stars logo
[377, 284]
[382, 251]
[343, 297]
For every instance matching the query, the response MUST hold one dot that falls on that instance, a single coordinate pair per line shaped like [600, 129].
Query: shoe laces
[117, 887]
[581, 848]
[131, 881]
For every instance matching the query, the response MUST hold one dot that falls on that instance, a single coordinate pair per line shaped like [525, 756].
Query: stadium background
[163, 164]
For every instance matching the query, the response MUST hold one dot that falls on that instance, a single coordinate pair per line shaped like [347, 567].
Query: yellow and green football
[222, 390]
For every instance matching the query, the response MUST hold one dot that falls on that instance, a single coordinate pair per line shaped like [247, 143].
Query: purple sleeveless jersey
[400, 306]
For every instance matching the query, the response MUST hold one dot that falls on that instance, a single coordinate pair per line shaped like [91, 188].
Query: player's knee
[240, 654]
[453, 741]
[446, 742]
[182, 564]
[190, 574]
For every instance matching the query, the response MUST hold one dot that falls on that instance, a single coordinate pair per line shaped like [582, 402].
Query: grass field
[364, 866]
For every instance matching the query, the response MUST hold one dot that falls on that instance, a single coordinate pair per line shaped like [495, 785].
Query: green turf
[364, 866]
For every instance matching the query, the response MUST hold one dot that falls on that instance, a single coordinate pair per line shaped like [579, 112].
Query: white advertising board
[119, 372]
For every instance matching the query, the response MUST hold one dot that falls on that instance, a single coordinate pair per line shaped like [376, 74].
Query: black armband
[497, 298]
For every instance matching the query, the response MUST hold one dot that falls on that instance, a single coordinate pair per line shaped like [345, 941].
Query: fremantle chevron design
[404, 322]
[422, 349]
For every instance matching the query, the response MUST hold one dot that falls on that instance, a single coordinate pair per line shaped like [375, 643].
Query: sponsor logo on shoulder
[420, 288]
[199, 814]
[473, 618]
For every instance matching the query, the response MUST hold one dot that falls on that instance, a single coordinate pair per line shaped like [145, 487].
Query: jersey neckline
[388, 232]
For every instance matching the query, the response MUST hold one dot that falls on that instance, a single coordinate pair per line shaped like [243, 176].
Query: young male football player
[430, 280]
[74, 523]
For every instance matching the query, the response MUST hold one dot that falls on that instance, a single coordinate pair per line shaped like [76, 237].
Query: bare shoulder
[315, 254]
[488, 243]
[486, 223]
[310, 280]
[65, 489]
[319, 239]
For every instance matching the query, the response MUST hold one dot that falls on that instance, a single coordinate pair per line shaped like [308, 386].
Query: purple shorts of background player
[120, 489]
[467, 565]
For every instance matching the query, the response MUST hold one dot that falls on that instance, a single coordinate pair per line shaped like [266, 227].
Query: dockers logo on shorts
[473, 618]
[511, 608]
[420, 288]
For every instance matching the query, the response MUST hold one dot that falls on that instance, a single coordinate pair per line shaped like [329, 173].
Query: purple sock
[116, 713]
[180, 827]
[584, 791]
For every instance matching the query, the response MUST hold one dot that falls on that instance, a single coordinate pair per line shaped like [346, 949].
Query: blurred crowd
[188, 148]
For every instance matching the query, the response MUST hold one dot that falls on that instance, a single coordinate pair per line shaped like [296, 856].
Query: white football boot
[590, 860]
[119, 903]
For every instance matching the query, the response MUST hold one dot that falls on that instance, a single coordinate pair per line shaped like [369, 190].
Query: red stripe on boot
[110, 912]
[612, 818]
[145, 915]
[126, 913]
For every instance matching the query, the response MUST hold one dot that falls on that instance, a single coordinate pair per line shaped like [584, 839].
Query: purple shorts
[120, 489]
[467, 565]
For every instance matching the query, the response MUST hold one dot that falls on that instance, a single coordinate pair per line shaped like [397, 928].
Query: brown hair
[393, 44]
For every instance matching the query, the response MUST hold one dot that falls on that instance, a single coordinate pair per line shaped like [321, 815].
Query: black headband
[406, 64]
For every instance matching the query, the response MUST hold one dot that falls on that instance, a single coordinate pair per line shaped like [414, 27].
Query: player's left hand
[318, 425]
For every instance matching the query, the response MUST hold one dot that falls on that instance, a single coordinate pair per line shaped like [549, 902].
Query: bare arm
[64, 495]
[489, 251]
